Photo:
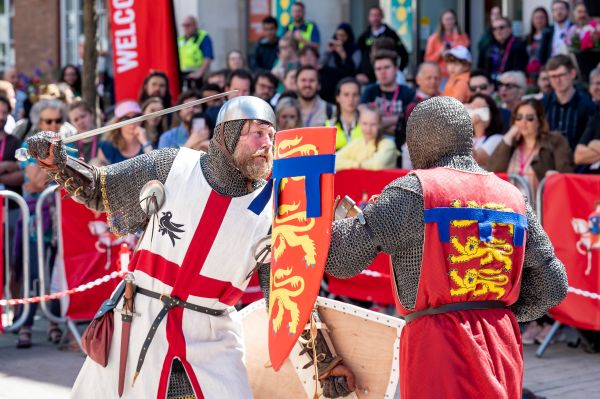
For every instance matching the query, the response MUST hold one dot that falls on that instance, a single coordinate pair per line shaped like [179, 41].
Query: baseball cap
[460, 53]
[127, 107]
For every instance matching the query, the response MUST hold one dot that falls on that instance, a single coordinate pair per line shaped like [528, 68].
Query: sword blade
[142, 118]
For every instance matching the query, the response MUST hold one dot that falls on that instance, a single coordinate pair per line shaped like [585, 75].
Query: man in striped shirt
[567, 108]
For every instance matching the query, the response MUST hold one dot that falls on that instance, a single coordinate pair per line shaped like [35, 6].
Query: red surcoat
[473, 250]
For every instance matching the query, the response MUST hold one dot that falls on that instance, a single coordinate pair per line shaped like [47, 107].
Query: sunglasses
[482, 86]
[528, 118]
[51, 121]
[508, 85]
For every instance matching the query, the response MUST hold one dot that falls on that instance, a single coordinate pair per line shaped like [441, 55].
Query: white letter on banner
[125, 39]
[122, 3]
[121, 19]
[125, 43]
[126, 60]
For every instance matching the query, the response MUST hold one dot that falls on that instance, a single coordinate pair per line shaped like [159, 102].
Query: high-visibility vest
[306, 34]
[340, 136]
[190, 55]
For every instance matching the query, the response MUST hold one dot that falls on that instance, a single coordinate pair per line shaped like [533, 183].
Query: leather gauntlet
[82, 181]
[79, 179]
[333, 375]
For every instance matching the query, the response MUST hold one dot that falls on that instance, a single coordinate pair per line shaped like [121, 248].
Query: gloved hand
[336, 379]
[338, 382]
[47, 149]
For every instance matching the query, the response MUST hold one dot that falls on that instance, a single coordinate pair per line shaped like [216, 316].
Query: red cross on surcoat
[187, 280]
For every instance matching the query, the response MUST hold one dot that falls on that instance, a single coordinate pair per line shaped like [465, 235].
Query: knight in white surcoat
[200, 224]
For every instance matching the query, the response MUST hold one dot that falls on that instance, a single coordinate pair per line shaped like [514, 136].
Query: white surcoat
[200, 249]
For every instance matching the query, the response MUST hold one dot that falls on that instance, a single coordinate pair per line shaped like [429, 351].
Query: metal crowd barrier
[538, 210]
[41, 256]
[538, 199]
[6, 195]
[43, 267]
[522, 184]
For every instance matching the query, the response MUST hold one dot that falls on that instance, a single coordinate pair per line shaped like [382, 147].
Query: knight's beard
[254, 166]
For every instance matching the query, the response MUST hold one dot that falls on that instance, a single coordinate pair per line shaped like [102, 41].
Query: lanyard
[524, 162]
[505, 55]
[348, 129]
[310, 115]
[2, 147]
[92, 154]
[387, 111]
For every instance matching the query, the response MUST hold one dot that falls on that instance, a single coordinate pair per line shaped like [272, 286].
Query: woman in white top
[487, 126]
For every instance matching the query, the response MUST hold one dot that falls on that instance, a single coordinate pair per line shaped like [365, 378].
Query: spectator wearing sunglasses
[511, 87]
[480, 83]
[530, 149]
[46, 115]
[505, 52]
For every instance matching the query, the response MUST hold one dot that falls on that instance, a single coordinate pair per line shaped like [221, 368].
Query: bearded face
[253, 155]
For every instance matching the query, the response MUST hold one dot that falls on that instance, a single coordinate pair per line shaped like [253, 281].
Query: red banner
[86, 246]
[571, 217]
[144, 38]
[257, 11]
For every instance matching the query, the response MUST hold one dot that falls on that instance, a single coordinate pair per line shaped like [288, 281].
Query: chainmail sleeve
[120, 186]
[396, 221]
[544, 281]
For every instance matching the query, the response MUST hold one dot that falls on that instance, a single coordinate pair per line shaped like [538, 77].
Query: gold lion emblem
[497, 250]
[479, 282]
[292, 146]
[285, 234]
[281, 296]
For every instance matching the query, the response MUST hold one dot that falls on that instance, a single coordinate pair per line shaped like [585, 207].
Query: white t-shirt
[488, 144]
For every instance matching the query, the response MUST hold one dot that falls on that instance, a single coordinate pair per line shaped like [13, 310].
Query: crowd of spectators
[532, 113]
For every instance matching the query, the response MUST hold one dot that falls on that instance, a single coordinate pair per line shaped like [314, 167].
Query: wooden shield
[303, 212]
[367, 341]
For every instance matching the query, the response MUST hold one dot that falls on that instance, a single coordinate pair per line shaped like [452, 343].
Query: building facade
[42, 34]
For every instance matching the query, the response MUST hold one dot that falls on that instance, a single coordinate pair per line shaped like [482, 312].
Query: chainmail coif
[396, 217]
[449, 131]
[224, 177]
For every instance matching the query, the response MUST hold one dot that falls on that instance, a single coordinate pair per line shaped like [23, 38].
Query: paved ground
[45, 372]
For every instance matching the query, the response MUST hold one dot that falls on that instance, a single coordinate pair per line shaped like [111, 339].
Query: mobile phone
[198, 124]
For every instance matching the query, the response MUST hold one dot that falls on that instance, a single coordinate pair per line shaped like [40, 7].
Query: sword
[22, 154]
[127, 314]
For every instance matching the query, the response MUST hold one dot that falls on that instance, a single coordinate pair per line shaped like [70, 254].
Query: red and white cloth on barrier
[87, 251]
[571, 217]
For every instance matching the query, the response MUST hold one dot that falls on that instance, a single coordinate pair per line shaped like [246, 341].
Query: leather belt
[169, 302]
[455, 307]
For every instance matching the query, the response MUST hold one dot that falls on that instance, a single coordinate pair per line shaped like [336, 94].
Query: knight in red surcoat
[469, 259]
